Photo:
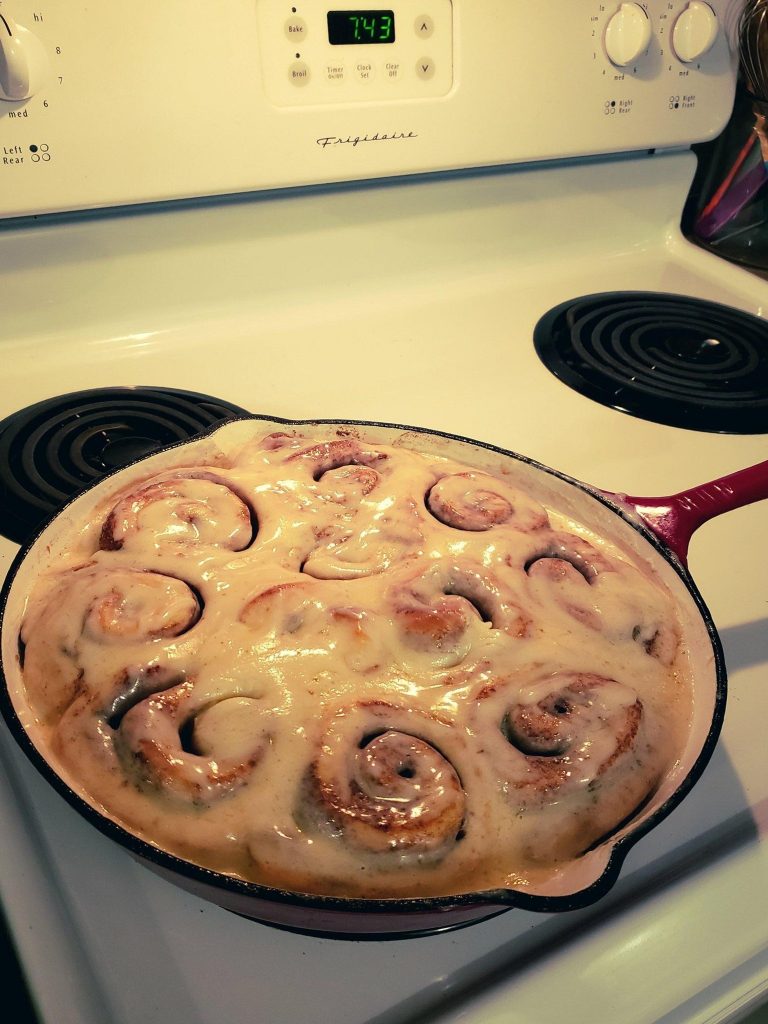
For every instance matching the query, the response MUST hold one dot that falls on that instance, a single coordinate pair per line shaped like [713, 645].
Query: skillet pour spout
[653, 533]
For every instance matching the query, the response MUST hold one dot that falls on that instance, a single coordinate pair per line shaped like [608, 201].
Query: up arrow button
[424, 26]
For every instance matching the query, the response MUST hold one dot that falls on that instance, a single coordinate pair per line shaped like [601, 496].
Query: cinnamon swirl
[579, 743]
[380, 781]
[190, 508]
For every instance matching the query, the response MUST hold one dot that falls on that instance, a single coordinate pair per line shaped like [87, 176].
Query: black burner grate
[662, 357]
[51, 450]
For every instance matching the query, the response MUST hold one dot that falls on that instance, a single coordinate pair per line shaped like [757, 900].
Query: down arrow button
[425, 68]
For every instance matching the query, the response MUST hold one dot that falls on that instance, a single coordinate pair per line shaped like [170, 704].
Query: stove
[403, 277]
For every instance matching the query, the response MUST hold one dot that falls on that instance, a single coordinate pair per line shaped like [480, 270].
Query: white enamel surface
[442, 283]
[166, 101]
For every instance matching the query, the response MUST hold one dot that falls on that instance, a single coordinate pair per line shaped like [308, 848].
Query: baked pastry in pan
[342, 667]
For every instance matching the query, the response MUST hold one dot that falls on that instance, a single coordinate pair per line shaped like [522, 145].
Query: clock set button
[365, 70]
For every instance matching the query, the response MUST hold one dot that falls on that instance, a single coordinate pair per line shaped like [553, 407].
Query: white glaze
[354, 613]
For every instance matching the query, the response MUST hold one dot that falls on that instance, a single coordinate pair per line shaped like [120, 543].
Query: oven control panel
[105, 104]
[325, 56]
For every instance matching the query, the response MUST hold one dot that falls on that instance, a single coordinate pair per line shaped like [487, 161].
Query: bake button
[425, 68]
[298, 72]
[296, 29]
[424, 26]
[392, 70]
[334, 72]
[364, 70]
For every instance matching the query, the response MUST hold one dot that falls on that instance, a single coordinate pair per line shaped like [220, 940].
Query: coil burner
[665, 358]
[52, 450]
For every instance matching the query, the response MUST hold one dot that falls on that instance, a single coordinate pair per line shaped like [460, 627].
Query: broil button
[298, 72]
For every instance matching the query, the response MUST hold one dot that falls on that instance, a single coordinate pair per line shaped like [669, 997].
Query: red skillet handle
[675, 517]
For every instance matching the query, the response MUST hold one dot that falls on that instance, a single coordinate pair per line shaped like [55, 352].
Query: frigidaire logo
[355, 140]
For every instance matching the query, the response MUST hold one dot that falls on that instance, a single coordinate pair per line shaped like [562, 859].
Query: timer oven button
[695, 31]
[627, 35]
[335, 73]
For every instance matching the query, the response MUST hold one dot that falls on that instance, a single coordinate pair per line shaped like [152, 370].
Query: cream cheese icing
[355, 669]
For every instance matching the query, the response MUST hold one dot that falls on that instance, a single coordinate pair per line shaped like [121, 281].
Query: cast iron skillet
[656, 530]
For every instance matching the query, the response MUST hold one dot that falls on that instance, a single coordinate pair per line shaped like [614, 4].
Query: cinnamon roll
[353, 668]
[94, 612]
[566, 568]
[190, 507]
[313, 621]
[574, 741]
[196, 751]
[478, 501]
[440, 609]
[381, 780]
[283, 608]
[368, 540]
[603, 594]
[341, 454]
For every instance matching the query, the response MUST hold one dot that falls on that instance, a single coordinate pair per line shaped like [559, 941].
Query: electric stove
[403, 285]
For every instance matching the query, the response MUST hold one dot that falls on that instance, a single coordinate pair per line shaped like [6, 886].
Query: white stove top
[414, 303]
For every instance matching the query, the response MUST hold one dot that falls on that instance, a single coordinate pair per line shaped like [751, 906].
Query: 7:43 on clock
[348, 28]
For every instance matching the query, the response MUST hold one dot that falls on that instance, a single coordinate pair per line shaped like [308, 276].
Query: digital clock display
[350, 28]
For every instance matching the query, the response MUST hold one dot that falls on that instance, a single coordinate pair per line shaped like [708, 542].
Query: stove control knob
[627, 35]
[23, 61]
[695, 31]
